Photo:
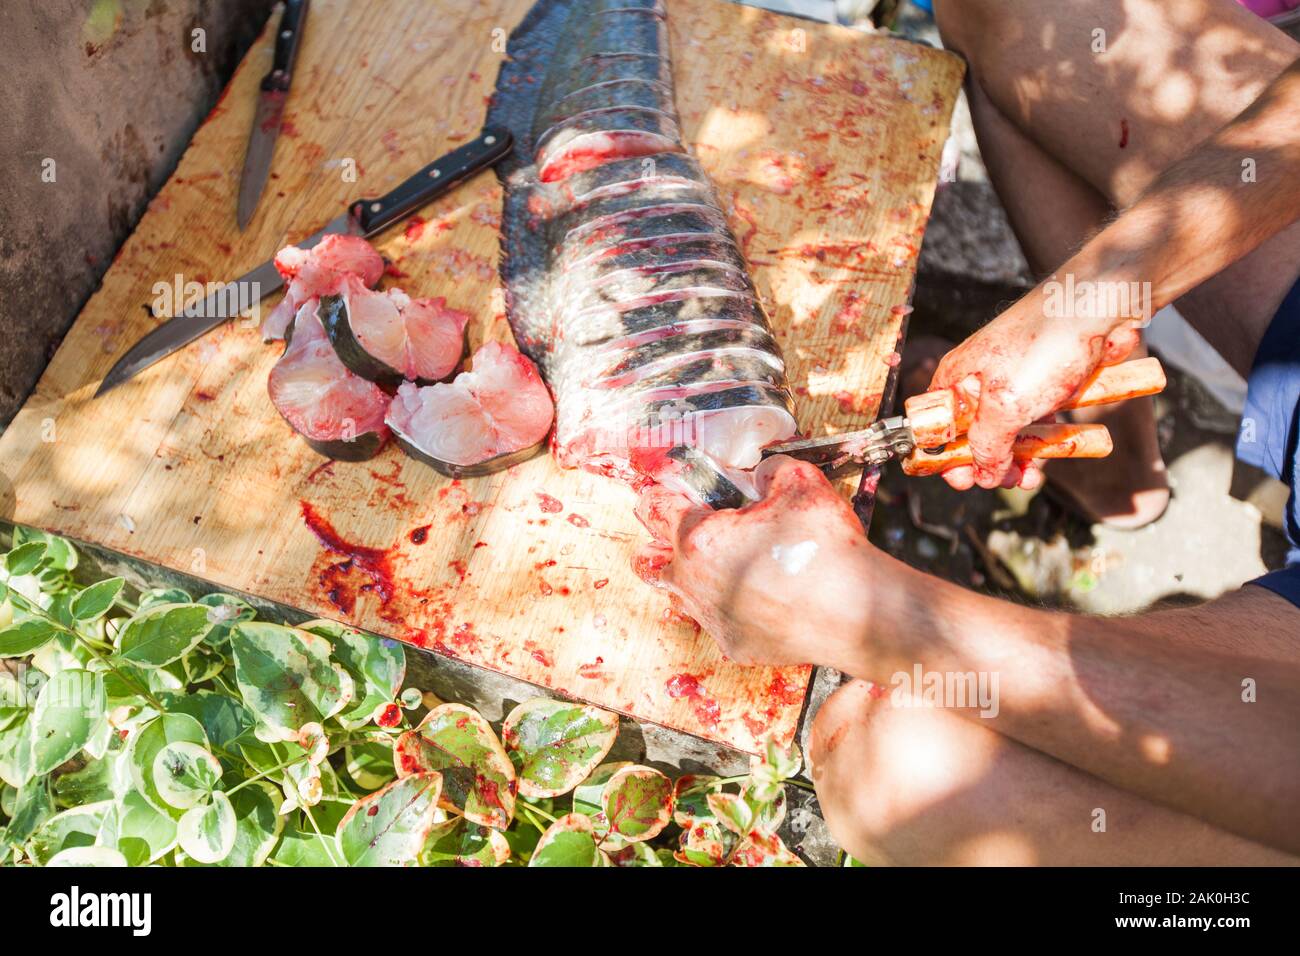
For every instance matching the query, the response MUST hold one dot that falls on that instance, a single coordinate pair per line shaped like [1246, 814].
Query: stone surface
[109, 91]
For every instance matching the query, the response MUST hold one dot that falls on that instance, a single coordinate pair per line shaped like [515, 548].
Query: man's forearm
[1139, 702]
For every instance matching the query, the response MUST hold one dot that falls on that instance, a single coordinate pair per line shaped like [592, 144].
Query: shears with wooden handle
[930, 436]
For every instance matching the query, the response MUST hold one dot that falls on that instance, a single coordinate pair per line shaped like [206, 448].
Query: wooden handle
[940, 417]
[1036, 441]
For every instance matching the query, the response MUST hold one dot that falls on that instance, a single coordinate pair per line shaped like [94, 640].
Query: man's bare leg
[1118, 90]
[924, 786]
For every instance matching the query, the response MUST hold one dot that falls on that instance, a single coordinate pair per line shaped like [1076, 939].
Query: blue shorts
[1269, 437]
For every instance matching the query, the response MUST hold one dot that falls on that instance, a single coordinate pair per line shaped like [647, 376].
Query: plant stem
[325, 843]
[539, 811]
[265, 773]
[711, 784]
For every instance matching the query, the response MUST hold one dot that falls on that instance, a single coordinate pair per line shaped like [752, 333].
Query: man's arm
[1152, 703]
[1213, 207]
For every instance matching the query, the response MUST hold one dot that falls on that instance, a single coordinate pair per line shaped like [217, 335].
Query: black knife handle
[286, 45]
[433, 180]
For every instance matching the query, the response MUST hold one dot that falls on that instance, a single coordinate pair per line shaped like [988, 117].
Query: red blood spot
[578, 521]
[420, 535]
[549, 505]
[459, 567]
[688, 686]
[414, 228]
[1123, 133]
[391, 270]
[374, 808]
[892, 359]
[600, 584]
[391, 716]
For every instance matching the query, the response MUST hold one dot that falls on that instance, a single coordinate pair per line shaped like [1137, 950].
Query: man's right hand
[1017, 370]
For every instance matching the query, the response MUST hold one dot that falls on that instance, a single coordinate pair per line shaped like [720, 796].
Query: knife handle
[287, 39]
[433, 180]
[941, 416]
[1036, 441]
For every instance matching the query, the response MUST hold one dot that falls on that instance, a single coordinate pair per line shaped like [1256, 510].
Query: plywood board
[824, 143]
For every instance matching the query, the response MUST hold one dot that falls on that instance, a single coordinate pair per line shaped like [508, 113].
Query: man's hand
[781, 581]
[1017, 370]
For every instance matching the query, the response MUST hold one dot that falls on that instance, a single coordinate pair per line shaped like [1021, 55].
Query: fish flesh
[349, 347]
[388, 337]
[623, 279]
[315, 272]
[338, 413]
[493, 416]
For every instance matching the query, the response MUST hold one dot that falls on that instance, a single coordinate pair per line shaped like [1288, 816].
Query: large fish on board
[623, 281]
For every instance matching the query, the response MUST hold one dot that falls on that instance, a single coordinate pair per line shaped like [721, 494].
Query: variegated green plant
[153, 728]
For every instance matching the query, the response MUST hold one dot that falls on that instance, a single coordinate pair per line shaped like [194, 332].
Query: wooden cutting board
[824, 143]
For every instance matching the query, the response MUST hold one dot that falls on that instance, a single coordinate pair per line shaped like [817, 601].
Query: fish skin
[624, 282]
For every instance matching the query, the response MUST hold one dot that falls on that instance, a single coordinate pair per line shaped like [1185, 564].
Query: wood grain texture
[824, 143]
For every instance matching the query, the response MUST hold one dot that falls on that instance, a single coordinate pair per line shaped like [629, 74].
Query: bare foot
[1130, 488]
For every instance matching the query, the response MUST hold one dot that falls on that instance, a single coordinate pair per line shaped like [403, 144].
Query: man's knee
[879, 768]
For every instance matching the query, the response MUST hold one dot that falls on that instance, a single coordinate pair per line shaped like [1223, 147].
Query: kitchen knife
[365, 217]
[930, 436]
[269, 115]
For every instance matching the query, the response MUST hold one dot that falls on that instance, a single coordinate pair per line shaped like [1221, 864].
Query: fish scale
[624, 282]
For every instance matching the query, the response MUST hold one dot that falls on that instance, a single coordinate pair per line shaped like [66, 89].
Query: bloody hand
[1019, 369]
[781, 581]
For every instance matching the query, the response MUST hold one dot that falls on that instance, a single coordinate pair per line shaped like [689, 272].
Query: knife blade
[268, 117]
[365, 218]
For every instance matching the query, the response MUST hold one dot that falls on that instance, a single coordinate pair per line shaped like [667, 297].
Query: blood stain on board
[548, 504]
[688, 686]
[337, 579]
[419, 535]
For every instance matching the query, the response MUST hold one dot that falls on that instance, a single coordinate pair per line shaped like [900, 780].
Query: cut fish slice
[388, 337]
[584, 141]
[339, 414]
[494, 416]
[311, 273]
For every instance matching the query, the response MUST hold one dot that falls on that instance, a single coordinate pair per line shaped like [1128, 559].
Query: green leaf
[20, 639]
[156, 596]
[461, 843]
[638, 803]
[32, 807]
[25, 558]
[732, 812]
[257, 825]
[162, 634]
[146, 743]
[301, 846]
[390, 827]
[370, 764]
[94, 602]
[71, 828]
[185, 774]
[286, 677]
[554, 745]
[83, 856]
[478, 778]
[143, 834]
[13, 700]
[70, 709]
[688, 807]
[16, 752]
[207, 833]
[706, 843]
[377, 667]
[225, 611]
[97, 780]
[763, 850]
[588, 794]
[224, 719]
[569, 841]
